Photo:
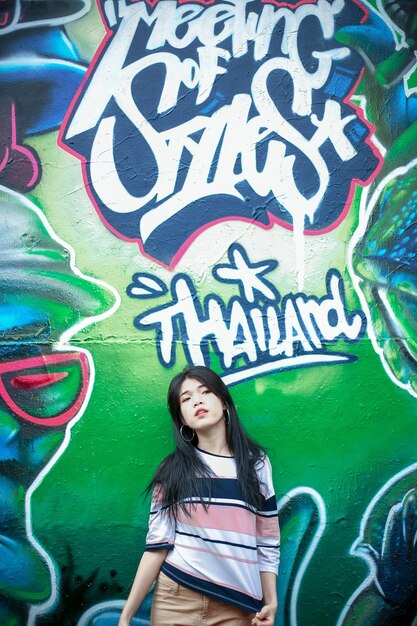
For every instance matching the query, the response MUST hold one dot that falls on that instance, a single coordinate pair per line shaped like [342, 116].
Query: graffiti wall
[222, 182]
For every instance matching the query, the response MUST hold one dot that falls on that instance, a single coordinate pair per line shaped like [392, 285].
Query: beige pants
[175, 605]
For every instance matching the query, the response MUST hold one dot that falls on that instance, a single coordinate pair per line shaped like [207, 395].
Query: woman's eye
[206, 391]
[184, 400]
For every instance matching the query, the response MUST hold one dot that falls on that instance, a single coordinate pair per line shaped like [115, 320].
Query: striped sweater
[221, 551]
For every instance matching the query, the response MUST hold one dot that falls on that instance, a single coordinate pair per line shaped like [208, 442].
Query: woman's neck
[214, 444]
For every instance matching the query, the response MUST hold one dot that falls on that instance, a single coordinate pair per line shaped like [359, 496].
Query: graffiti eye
[47, 390]
[36, 380]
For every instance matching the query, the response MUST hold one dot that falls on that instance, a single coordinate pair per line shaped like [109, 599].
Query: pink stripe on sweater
[267, 526]
[221, 518]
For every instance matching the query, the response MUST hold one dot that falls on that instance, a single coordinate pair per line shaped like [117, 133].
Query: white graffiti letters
[257, 332]
[205, 137]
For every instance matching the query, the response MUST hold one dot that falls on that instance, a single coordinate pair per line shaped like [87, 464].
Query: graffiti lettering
[256, 332]
[246, 119]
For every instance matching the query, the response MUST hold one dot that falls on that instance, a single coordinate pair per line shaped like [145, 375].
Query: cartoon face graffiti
[38, 396]
[19, 14]
[44, 385]
[385, 260]
[36, 57]
[384, 254]
[384, 246]
[387, 544]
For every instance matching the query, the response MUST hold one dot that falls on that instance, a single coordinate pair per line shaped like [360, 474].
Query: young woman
[213, 540]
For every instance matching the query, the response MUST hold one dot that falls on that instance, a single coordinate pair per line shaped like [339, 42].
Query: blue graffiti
[255, 332]
[195, 114]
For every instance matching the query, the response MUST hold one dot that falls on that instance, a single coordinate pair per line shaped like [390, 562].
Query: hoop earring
[182, 434]
[226, 416]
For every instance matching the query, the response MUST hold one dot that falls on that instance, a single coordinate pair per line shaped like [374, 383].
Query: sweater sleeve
[161, 531]
[267, 525]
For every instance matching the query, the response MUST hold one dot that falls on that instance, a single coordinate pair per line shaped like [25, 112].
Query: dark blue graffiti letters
[146, 286]
[256, 332]
[226, 110]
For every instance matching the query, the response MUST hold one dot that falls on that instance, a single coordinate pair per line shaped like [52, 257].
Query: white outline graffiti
[321, 507]
[61, 345]
[366, 209]
[15, 25]
[372, 576]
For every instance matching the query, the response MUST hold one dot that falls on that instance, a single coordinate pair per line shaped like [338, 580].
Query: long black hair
[183, 474]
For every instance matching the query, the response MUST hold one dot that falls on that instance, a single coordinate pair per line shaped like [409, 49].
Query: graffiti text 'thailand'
[255, 332]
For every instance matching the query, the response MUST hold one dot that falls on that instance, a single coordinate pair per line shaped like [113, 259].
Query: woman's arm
[268, 541]
[266, 616]
[148, 570]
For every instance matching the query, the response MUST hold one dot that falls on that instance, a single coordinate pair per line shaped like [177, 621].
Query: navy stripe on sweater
[226, 543]
[224, 594]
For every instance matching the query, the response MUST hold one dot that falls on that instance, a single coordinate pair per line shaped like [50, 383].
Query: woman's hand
[266, 616]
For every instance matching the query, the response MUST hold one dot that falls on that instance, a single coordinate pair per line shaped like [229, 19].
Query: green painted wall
[336, 413]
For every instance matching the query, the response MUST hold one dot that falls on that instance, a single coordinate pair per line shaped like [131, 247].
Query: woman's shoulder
[259, 455]
[263, 464]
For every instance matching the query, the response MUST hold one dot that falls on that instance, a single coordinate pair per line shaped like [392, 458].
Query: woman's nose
[197, 401]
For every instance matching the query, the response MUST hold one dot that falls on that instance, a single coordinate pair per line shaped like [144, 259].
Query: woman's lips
[200, 412]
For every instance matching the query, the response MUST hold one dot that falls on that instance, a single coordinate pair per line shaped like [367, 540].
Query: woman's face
[201, 409]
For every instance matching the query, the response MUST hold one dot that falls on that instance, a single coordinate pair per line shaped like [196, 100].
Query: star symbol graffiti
[248, 275]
